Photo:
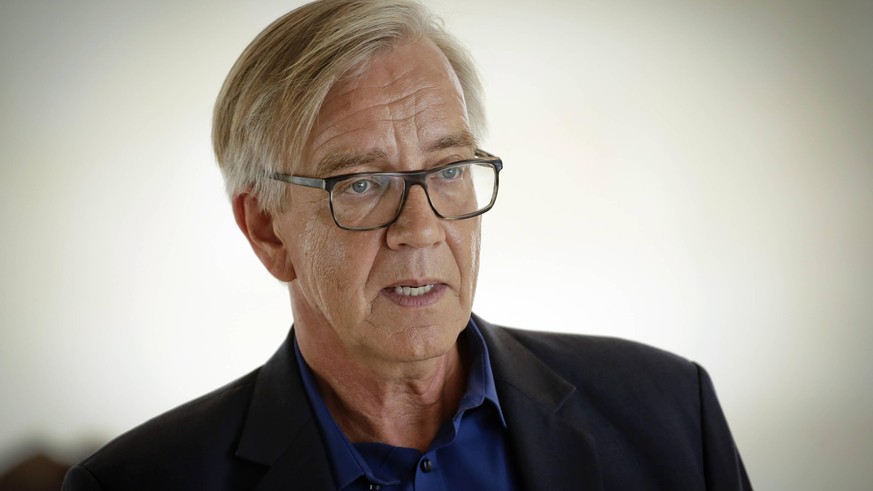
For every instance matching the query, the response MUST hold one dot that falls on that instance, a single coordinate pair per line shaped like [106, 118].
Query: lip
[422, 300]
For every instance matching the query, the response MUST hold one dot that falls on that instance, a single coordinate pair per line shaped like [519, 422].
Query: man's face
[406, 112]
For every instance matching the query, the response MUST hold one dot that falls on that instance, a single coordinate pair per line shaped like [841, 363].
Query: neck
[398, 403]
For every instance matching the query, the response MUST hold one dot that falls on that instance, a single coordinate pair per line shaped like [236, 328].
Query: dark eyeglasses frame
[410, 179]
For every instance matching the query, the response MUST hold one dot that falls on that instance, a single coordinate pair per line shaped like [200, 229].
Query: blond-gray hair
[271, 98]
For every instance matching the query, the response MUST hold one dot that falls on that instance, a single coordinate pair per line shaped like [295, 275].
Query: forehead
[406, 99]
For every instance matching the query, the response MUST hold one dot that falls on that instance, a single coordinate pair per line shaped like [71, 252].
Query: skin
[389, 368]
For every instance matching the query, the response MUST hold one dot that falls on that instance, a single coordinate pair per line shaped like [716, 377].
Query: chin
[424, 343]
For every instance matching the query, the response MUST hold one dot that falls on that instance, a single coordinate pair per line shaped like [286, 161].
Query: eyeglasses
[373, 200]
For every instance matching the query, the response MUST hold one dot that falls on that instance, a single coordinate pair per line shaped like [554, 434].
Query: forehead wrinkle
[389, 114]
[351, 112]
[400, 76]
[345, 94]
[338, 162]
[402, 103]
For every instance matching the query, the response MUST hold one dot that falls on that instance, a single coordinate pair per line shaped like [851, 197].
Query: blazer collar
[552, 448]
[279, 430]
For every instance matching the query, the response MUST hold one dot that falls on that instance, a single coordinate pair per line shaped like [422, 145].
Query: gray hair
[272, 96]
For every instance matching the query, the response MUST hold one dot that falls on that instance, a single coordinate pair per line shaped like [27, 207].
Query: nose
[417, 226]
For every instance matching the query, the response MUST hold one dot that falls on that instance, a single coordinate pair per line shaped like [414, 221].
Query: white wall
[694, 175]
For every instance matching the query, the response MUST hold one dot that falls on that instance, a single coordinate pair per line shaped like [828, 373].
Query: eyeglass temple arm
[310, 182]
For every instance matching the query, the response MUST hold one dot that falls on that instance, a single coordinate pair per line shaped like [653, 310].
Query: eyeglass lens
[373, 200]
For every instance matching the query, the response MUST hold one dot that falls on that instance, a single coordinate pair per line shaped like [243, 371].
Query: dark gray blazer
[583, 413]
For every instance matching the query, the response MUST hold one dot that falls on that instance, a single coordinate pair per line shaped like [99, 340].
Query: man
[347, 136]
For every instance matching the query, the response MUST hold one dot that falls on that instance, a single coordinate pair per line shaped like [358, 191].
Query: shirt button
[426, 465]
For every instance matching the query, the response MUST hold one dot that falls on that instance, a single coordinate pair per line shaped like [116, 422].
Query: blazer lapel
[551, 447]
[280, 432]
[302, 466]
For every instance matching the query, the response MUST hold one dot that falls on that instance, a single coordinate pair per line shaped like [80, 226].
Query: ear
[259, 228]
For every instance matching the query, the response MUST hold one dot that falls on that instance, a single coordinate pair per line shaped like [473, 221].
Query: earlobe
[259, 228]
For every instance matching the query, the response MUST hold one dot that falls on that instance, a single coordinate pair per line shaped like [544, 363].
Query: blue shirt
[469, 451]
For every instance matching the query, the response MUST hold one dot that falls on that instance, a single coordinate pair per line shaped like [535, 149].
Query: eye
[361, 186]
[451, 173]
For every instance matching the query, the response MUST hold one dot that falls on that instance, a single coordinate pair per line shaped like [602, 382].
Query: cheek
[316, 257]
[309, 237]
[337, 263]
[466, 241]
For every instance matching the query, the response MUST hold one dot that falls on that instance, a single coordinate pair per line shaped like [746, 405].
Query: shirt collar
[480, 380]
[348, 464]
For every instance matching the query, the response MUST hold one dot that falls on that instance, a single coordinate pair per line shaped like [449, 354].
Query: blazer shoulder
[607, 372]
[653, 415]
[594, 354]
[195, 434]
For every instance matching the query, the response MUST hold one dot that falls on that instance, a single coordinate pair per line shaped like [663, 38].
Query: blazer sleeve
[722, 463]
[79, 479]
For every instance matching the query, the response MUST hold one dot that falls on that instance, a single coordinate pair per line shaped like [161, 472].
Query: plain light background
[694, 175]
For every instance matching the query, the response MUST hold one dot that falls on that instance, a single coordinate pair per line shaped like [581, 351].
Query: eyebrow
[464, 139]
[336, 163]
